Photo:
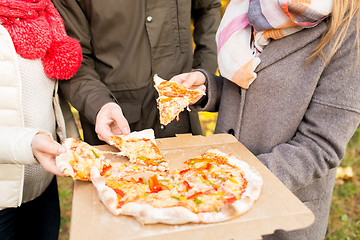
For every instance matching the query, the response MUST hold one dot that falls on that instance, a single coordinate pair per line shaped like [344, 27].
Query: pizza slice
[141, 148]
[148, 199]
[79, 158]
[220, 185]
[173, 99]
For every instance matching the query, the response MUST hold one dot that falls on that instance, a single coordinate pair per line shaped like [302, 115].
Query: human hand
[110, 121]
[45, 150]
[191, 80]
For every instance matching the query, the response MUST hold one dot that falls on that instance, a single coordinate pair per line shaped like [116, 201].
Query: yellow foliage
[208, 122]
[223, 6]
[344, 173]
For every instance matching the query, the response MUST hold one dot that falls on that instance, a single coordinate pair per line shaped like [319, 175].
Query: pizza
[173, 99]
[141, 148]
[212, 187]
[79, 158]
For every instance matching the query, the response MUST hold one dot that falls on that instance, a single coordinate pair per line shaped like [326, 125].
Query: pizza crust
[106, 194]
[148, 214]
[158, 80]
[62, 162]
[147, 133]
[227, 212]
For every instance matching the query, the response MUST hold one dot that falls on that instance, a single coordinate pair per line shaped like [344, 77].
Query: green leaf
[344, 218]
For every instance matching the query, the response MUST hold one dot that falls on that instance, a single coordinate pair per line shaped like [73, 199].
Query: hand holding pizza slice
[173, 98]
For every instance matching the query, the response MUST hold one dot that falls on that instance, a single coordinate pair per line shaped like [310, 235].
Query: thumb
[121, 125]
[53, 148]
[43, 143]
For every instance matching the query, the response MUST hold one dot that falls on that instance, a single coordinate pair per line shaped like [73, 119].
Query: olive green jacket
[125, 43]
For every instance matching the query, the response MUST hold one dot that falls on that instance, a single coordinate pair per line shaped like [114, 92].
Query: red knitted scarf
[37, 31]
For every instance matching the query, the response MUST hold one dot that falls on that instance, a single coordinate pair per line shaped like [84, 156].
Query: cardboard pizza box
[277, 207]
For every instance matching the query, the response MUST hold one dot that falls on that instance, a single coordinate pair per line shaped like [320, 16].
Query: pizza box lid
[277, 208]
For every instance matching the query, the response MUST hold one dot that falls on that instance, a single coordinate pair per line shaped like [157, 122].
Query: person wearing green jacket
[124, 44]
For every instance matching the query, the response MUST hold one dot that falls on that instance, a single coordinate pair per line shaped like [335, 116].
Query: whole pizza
[212, 187]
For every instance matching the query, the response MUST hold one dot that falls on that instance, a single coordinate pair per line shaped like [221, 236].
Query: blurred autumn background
[344, 221]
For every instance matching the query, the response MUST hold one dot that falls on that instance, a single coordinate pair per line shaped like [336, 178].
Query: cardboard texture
[277, 207]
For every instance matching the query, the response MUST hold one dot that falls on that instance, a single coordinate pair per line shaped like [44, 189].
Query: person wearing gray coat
[297, 118]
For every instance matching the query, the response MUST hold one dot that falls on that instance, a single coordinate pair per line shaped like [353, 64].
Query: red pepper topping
[195, 195]
[141, 180]
[120, 204]
[133, 180]
[184, 171]
[155, 186]
[187, 185]
[119, 192]
[230, 200]
[207, 167]
[105, 169]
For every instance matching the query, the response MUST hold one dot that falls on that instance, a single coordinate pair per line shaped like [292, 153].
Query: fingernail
[61, 150]
[126, 130]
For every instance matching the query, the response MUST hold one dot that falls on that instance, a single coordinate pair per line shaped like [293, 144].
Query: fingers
[202, 88]
[44, 143]
[49, 163]
[120, 123]
[45, 151]
[192, 80]
[111, 121]
[180, 79]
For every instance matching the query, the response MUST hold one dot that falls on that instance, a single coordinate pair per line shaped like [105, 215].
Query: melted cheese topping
[206, 185]
[141, 151]
[171, 107]
[84, 157]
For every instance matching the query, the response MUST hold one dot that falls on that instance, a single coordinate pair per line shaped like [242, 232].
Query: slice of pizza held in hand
[79, 158]
[141, 148]
[173, 99]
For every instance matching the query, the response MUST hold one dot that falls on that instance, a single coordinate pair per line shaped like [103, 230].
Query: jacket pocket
[131, 110]
[131, 102]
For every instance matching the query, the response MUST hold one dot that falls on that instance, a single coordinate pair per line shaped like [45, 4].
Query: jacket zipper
[178, 23]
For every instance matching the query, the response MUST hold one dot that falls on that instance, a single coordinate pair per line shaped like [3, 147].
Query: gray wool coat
[296, 119]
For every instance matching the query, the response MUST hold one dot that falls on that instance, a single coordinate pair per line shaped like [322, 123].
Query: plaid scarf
[37, 31]
[248, 26]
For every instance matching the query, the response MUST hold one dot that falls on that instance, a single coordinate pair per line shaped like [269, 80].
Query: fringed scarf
[37, 31]
[248, 26]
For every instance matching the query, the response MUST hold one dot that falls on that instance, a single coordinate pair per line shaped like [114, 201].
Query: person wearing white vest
[32, 117]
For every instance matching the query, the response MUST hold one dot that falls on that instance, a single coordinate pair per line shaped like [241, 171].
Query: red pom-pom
[63, 59]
